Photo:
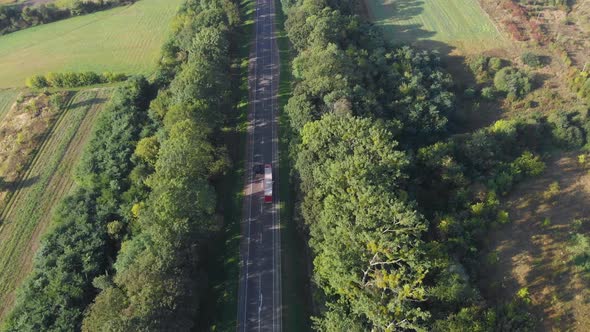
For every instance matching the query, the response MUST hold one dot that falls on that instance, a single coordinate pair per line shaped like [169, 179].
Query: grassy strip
[296, 289]
[47, 180]
[219, 309]
[124, 39]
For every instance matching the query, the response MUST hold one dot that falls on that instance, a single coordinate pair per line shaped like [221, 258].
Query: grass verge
[46, 181]
[295, 280]
[219, 306]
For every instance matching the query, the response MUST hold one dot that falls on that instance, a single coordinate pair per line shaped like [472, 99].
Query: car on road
[258, 169]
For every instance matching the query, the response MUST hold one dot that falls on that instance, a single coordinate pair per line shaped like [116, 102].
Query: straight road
[259, 300]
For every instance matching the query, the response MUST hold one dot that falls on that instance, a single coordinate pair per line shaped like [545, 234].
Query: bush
[552, 191]
[488, 93]
[514, 82]
[72, 80]
[567, 129]
[495, 64]
[579, 248]
[469, 93]
[532, 60]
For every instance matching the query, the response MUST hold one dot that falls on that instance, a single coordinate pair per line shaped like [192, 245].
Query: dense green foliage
[17, 17]
[580, 83]
[339, 71]
[379, 264]
[158, 280]
[514, 82]
[532, 59]
[365, 236]
[77, 248]
[72, 80]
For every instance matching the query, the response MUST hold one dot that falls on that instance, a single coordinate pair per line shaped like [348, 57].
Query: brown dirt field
[533, 254]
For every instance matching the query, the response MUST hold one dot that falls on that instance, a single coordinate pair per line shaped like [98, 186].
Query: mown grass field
[124, 39]
[461, 24]
[46, 181]
[7, 99]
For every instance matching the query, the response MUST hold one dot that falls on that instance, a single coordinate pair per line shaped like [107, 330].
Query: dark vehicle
[258, 169]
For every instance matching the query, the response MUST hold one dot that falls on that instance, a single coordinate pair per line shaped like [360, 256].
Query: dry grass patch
[533, 251]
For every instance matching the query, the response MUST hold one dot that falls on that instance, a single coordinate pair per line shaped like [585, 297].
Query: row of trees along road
[157, 277]
[124, 252]
[373, 160]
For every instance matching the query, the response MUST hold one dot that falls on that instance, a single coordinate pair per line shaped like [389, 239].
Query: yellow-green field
[124, 39]
[459, 24]
[46, 181]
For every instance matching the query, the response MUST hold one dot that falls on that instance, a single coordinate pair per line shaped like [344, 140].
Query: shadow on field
[404, 9]
[18, 184]
[88, 102]
[471, 112]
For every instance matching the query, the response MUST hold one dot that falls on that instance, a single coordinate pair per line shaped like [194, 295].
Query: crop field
[48, 179]
[124, 39]
[7, 98]
[461, 24]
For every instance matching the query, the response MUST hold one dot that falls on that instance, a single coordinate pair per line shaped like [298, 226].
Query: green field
[7, 98]
[124, 39]
[45, 182]
[460, 24]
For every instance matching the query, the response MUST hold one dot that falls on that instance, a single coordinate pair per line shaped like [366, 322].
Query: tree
[514, 82]
[365, 236]
[147, 150]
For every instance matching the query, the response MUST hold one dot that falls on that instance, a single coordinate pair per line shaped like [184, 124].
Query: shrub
[503, 217]
[36, 82]
[469, 93]
[566, 129]
[488, 93]
[579, 248]
[514, 82]
[531, 59]
[73, 80]
[552, 191]
[528, 165]
[495, 64]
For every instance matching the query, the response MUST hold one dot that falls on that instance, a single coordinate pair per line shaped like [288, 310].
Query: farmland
[124, 39]
[459, 23]
[46, 181]
[7, 98]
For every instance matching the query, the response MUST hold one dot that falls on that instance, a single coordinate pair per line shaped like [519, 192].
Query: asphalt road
[259, 300]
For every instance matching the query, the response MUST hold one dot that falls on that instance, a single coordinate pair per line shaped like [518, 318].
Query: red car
[268, 183]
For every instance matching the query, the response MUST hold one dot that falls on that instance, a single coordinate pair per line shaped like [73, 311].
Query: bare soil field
[48, 178]
[532, 250]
